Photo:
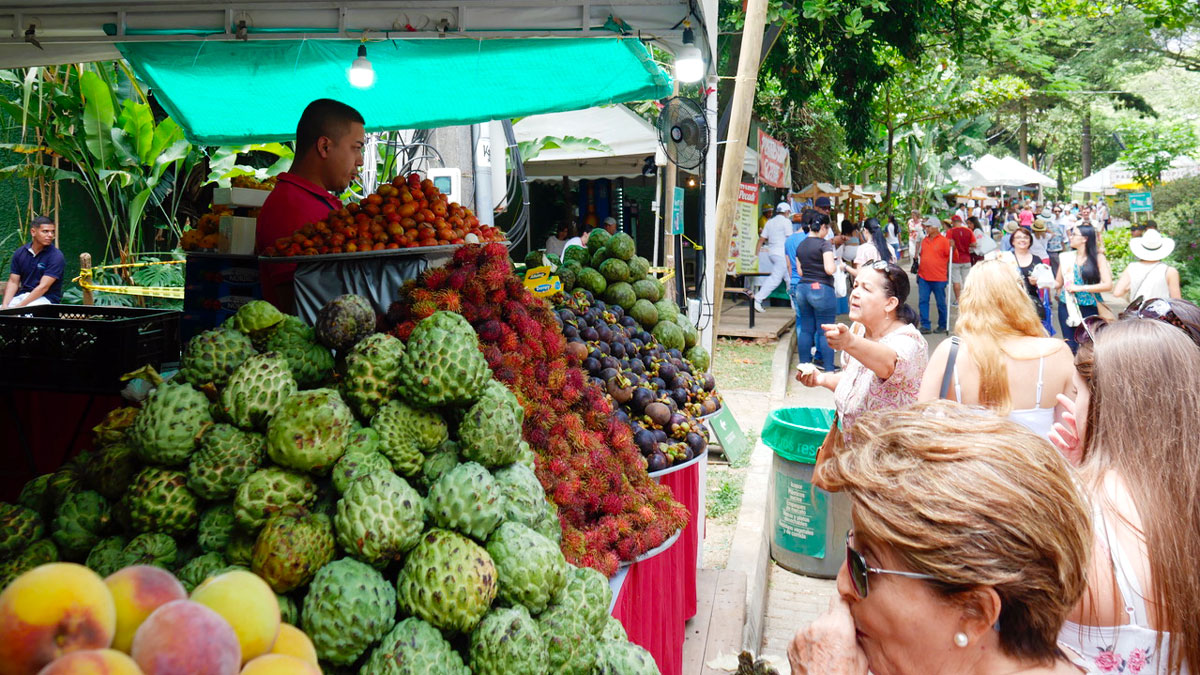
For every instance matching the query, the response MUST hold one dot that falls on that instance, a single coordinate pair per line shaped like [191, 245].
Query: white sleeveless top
[1037, 419]
[1147, 280]
[1131, 648]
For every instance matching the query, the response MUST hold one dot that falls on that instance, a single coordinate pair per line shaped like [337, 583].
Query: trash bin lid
[796, 434]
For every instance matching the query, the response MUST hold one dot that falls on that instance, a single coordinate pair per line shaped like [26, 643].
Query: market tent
[629, 137]
[1117, 176]
[1007, 172]
[419, 83]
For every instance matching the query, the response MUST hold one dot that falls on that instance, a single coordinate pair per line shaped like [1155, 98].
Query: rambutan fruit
[490, 331]
[466, 254]
[449, 300]
[424, 309]
[435, 278]
[496, 250]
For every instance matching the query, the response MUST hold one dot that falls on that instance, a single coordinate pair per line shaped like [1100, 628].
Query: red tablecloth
[659, 595]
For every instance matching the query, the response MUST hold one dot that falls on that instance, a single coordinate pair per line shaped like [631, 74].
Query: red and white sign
[774, 162]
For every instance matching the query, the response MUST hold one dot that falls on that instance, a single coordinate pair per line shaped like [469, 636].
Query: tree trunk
[887, 198]
[1023, 133]
[1085, 145]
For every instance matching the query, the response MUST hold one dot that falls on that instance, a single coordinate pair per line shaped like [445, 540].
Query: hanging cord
[520, 227]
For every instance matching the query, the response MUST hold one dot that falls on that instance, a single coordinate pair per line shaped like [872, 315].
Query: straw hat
[1039, 225]
[1151, 246]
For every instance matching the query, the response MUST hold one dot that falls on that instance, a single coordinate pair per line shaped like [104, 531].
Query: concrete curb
[750, 551]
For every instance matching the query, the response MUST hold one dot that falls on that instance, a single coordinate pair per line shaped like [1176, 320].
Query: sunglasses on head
[856, 564]
[1089, 329]
[1161, 310]
[880, 265]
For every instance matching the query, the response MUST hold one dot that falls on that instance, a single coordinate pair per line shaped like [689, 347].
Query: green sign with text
[729, 434]
[677, 212]
[1141, 202]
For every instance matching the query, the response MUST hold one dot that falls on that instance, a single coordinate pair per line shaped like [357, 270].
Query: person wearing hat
[774, 235]
[1149, 277]
[1041, 239]
[610, 225]
[821, 207]
[767, 212]
[933, 274]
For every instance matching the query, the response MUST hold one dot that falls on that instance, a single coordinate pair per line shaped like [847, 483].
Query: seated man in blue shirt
[35, 277]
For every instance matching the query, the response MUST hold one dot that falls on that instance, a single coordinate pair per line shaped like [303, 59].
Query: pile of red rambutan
[610, 509]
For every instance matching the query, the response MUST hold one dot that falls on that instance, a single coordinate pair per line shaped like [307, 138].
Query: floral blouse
[861, 390]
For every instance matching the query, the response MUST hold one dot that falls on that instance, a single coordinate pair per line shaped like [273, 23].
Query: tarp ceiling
[629, 137]
[992, 171]
[234, 92]
[1118, 176]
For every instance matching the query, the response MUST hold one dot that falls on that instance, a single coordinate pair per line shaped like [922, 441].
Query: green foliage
[223, 163]
[1169, 195]
[531, 149]
[724, 500]
[1116, 249]
[1182, 223]
[1150, 147]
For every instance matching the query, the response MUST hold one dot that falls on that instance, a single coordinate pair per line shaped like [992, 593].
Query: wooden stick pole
[735, 147]
[85, 263]
[669, 216]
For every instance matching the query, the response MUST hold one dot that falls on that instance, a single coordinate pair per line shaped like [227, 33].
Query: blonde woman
[1001, 357]
[969, 547]
[1135, 413]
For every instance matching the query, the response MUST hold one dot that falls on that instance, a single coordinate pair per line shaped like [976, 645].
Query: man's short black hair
[38, 222]
[323, 117]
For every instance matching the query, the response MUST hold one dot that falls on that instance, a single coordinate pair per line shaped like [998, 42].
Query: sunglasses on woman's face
[856, 564]
[1161, 310]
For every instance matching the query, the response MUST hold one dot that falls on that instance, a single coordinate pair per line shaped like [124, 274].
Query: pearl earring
[960, 639]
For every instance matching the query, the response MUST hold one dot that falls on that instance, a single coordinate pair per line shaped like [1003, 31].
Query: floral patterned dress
[1132, 648]
[861, 390]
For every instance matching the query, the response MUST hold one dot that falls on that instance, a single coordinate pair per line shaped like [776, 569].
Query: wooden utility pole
[668, 201]
[735, 146]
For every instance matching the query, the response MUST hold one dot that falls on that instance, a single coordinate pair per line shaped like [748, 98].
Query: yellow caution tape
[664, 273]
[170, 292]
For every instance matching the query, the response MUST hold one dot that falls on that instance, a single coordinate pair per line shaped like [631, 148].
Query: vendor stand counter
[655, 596]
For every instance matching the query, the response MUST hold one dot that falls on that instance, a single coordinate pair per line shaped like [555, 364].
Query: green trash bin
[808, 524]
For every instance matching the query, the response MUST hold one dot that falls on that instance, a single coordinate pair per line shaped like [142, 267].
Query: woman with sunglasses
[968, 551]
[1083, 274]
[1003, 359]
[1132, 432]
[885, 355]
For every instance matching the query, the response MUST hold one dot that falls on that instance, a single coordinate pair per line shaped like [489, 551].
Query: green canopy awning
[225, 93]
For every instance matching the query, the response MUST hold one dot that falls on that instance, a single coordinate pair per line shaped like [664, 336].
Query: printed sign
[801, 525]
[677, 212]
[733, 442]
[774, 162]
[1140, 202]
[745, 232]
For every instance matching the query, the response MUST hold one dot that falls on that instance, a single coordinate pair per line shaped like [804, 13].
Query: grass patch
[743, 364]
[724, 496]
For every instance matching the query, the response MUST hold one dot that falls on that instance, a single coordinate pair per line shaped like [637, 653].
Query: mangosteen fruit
[604, 333]
[657, 384]
[658, 413]
[610, 362]
[709, 406]
[607, 374]
[589, 334]
[645, 441]
[660, 436]
[710, 382]
[570, 331]
[620, 394]
[629, 322]
[657, 461]
[637, 366]
[641, 398]
[696, 442]
[667, 371]
[680, 396]
[576, 350]
[591, 365]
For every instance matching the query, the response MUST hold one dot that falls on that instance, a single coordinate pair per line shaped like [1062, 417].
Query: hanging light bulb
[691, 181]
[689, 63]
[361, 73]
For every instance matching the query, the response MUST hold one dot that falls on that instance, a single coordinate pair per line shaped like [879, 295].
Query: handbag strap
[949, 372]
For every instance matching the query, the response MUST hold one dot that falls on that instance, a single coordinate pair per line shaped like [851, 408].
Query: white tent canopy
[1118, 176]
[993, 171]
[630, 140]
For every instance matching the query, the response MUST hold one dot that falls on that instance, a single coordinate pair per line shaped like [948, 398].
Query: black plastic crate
[83, 348]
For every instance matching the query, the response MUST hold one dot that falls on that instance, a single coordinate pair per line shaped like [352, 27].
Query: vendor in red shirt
[329, 150]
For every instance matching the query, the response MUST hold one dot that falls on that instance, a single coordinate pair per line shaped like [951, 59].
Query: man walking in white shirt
[774, 234]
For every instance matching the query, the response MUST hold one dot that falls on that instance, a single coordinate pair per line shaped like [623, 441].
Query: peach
[280, 664]
[248, 604]
[186, 638]
[293, 642]
[137, 591]
[52, 610]
[93, 662]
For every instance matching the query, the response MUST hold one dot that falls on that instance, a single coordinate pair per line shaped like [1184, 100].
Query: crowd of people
[1021, 502]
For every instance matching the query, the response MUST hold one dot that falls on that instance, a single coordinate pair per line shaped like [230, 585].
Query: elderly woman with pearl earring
[969, 549]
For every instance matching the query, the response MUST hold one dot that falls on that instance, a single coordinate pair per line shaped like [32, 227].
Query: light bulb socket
[689, 36]
[362, 51]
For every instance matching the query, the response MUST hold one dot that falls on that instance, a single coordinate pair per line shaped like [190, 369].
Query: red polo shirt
[962, 237]
[935, 258]
[294, 203]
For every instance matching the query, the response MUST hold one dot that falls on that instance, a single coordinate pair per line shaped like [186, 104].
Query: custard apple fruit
[490, 431]
[588, 594]
[370, 373]
[349, 605]
[442, 364]
[20, 526]
[353, 465]
[255, 390]
[309, 431]
[212, 356]
[570, 640]
[107, 556]
[267, 491]
[613, 631]
[438, 463]
[379, 518]
[414, 647]
[508, 642]
[240, 550]
[255, 318]
[524, 496]
[395, 425]
[226, 457]
[195, 571]
[39, 552]
[152, 548]
[160, 501]
[216, 527]
[110, 469]
[291, 547]
[468, 500]
[311, 363]
[289, 611]
[79, 523]
[531, 568]
[345, 320]
[35, 495]
[363, 440]
[624, 658]
[447, 580]
[165, 432]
